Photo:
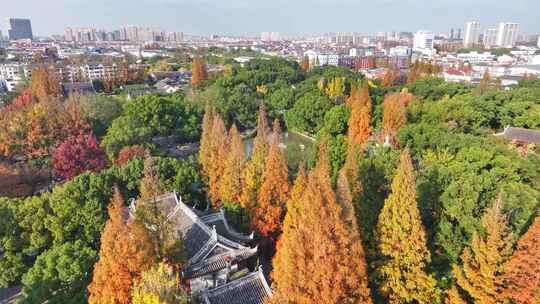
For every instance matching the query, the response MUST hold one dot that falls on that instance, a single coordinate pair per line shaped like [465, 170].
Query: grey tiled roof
[218, 262]
[251, 289]
[219, 221]
[521, 135]
[199, 238]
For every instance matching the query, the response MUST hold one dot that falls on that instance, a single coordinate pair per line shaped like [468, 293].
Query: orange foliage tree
[359, 124]
[483, 262]
[45, 83]
[329, 262]
[125, 252]
[218, 153]
[274, 189]
[253, 173]
[394, 115]
[35, 129]
[131, 152]
[198, 72]
[522, 275]
[231, 182]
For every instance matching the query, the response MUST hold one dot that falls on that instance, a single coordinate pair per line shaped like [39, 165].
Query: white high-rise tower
[472, 34]
[507, 34]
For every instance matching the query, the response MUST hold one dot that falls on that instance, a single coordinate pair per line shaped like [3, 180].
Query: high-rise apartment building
[423, 40]
[472, 33]
[490, 37]
[507, 34]
[20, 29]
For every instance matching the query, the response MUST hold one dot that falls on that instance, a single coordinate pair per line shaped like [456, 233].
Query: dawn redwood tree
[402, 242]
[483, 263]
[291, 272]
[77, 155]
[522, 271]
[359, 124]
[274, 190]
[218, 154]
[364, 98]
[304, 65]
[125, 252]
[231, 182]
[253, 173]
[198, 72]
[453, 297]
[319, 257]
[338, 257]
[394, 116]
[206, 142]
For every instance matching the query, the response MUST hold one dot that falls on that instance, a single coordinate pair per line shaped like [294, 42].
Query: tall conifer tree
[359, 124]
[483, 262]
[124, 254]
[402, 242]
[291, 263]
[253, 173]
[274, 190]
[231, 182]
[206, 142]
[218, 155]
[522, 276]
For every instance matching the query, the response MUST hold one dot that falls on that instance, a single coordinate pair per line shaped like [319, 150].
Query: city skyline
[239, 17]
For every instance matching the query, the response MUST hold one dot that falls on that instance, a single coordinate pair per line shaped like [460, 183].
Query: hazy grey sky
[285, 16]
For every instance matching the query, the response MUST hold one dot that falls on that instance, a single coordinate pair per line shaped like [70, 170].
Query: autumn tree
[483, 263]
[361, 96]
[45, 83]
[77, 155]
[522, 276]
[394, 116]
[131, 152]
[328, 263]
[123, 255]
[253, 173]
[231, 182]
[335, 88]
[485, 84]
[453, 297]
[359, 124]
[216, 162]
[291, 271]
[274, 189]
[198, 72]
[402, 242]
[159, 285]
[304, 65]
[167, 244]
[351, 172]
[206, 142]
[390, 78]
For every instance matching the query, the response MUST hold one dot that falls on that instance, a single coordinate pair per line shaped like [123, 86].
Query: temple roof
[219, 220]
[217, 262]
[200, 239]
[251, 289]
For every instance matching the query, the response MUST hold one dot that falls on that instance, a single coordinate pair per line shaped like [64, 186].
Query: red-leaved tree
[130, 152]
[77, 155]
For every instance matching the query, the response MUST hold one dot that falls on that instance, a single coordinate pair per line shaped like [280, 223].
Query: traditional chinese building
[216, 254]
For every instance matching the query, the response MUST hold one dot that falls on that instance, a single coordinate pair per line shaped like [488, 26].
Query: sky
[289, 17]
